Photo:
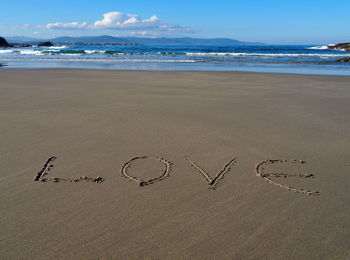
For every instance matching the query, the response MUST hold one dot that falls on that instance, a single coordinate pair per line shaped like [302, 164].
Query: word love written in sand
[212, 181]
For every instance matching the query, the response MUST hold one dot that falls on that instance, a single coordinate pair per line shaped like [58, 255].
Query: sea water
[306, 59]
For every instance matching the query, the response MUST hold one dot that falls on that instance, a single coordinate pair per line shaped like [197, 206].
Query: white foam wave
[103, 60]
[93, 51]
[70, 54]
[325, 47]
[150, 60]
[57, 52]
[5, 51]
[263, 54]
[31, 52]
[329, 45]
[58, 47]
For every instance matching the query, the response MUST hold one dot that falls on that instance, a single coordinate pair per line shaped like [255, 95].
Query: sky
[267, 21]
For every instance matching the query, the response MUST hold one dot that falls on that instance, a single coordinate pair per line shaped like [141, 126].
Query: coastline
[295, 59]
[95, 121]
[283, 71]
[5, 68]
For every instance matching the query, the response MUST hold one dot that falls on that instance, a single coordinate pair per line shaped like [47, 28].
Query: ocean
[305, 59]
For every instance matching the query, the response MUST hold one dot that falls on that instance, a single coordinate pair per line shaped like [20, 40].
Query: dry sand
[96, 121]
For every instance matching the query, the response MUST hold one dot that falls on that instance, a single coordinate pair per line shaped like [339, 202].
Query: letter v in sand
[212, 181]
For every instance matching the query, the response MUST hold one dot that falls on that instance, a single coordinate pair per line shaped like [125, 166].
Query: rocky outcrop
[346, 59]
[45, 44]
[4, 43]
[340, 46]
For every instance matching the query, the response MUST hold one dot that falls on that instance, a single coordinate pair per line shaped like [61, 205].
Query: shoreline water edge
[300, 59]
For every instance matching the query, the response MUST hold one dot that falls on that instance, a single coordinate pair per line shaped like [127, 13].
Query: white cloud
[120, 21]
[21, 27]
[69, 26]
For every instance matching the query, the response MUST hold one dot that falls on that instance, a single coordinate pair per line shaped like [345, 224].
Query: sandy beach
[176, 155]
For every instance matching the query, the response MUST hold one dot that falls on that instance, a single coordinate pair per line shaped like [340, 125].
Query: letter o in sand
[165, 171]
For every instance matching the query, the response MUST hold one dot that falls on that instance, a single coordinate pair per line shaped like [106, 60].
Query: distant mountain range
[22, 39]
[106, 39]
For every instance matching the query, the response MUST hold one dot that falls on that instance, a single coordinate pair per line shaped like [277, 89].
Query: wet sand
[132, 131]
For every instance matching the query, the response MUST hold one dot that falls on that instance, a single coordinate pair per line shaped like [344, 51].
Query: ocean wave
[94, 51]
[31, 52]
[58, 47]
[263, 54]
[103, 60]
[324, 47]
[5, 51]
[158, 55]
[70, 54]
[59, 51]
[115, 52]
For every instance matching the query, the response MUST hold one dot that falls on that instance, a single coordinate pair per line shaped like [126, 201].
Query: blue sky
[268, 21]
